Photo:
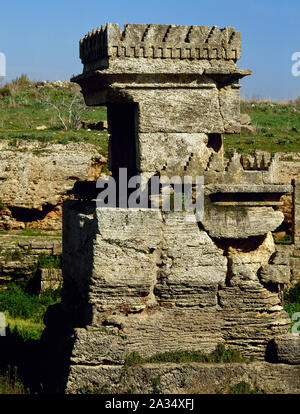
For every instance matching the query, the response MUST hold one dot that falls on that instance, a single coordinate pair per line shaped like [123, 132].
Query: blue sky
[40, 38]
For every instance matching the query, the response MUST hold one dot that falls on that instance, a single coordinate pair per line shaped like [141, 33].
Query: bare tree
[69, 113]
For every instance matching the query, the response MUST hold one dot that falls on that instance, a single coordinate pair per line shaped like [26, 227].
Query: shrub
[49, 297]
[49, 262]
[292, 302]
[21, 80]
[26, 329]
[133, 358]
[10, 382]
[293, 295]
[20, 304]
[245, 388]
[5, 91]
[11, 256]
[156, 385]
[69, 112]
[291, 308]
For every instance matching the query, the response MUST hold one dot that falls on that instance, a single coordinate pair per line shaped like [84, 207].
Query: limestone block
[41, 175]
[160, 330]
[241, 272]
[229, 98]
[250, 333]
[282, 256]
[272, 175]
[275, 189]
[245, 119]
[239, 221]
[97, 346]
[99, 378]
[51, 278]
[252, 316]
[186, 378]
[160, 151]
[216, 162]
[176, 292]
[124, 257]
[248, 296]
[275, 274]
[192, 266]
[248, 129]
[139, 229]
[179, 110]
[121, 276]
[245, 260]
[288, 348]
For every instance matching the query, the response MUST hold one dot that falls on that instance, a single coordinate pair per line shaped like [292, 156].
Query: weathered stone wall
[188, 378]
[159, 282]
[50, 279]
[35, 178]
[19, 259]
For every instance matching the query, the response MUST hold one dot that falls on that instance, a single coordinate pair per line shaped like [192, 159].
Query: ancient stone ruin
[150, 281]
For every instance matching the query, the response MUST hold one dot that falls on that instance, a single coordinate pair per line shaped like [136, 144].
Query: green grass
[46, 261]
[156, 385]
[10, 382]
[287, 239]
[25, 312]
[278, 128]
[11, 256]
[23, 108]
[245, 388]
[27, 329]
[219, 355]
[293, 295]
[30, 232]
[292, 308]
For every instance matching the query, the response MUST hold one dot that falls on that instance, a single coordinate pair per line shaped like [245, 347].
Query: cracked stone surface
[159, 282]
[186, 378]
[33, 175]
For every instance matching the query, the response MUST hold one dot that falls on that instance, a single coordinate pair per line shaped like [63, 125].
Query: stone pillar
[170, 92]
[151, 281]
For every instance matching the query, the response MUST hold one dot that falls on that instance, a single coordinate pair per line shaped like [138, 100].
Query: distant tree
[69, 113]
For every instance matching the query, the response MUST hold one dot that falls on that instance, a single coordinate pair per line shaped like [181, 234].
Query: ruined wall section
[35, 178]
[19, 260]
[151, 290]
[154, 282]
[182, 83]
